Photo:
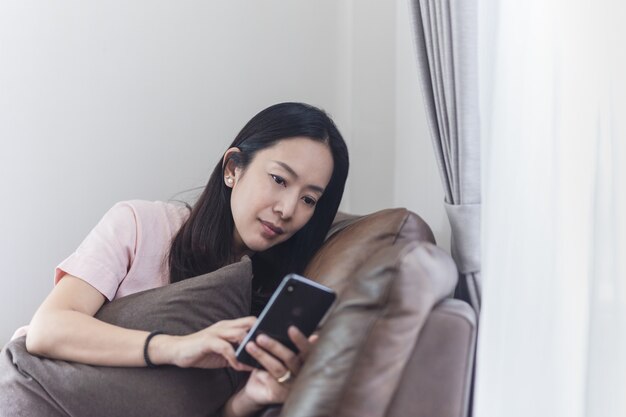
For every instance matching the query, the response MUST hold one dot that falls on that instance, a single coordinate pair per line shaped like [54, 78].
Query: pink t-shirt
[127, 250]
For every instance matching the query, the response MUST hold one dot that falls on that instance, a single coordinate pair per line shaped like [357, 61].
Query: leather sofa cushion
[437, 378]
[354, 239]
[356, 366]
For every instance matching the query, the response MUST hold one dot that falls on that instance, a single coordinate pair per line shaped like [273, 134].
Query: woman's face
[276, 194]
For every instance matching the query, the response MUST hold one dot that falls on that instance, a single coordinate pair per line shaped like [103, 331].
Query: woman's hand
[209, 348]
[279, 363]
[277, 360]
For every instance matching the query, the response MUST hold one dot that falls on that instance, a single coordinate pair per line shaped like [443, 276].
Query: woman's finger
[271, 364]
[226, 350]
[300, 340]
[233, 335]
[246, 322]
[280, 351]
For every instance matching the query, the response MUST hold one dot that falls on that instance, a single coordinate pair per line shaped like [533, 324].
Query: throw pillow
[35, 386]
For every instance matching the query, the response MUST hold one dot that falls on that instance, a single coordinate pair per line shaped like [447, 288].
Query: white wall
[105, 101]
[393, 162]
[416, 175]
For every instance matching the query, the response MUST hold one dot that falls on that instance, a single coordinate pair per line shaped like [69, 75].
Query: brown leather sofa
[395, 343]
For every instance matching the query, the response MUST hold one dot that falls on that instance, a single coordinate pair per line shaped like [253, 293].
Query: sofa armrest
[437, 378]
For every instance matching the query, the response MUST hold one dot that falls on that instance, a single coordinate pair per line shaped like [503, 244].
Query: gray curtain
[446, 42]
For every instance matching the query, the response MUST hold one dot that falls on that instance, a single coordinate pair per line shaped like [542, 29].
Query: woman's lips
[269, 230]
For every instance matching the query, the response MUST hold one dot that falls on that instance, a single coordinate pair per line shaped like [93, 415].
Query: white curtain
[552, 338]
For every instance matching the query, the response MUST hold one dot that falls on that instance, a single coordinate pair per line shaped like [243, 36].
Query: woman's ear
[230, 168]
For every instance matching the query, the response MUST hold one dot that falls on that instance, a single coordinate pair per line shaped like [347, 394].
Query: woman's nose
[286, 206]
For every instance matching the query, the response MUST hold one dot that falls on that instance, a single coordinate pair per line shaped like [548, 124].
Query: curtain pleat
[446, 42]
[423, 43]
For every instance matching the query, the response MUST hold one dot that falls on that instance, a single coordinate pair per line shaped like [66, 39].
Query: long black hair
[205, 241]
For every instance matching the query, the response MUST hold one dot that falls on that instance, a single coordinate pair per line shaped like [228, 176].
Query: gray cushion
[34, 386]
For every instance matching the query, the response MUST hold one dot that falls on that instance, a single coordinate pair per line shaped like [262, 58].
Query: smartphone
[297, 301]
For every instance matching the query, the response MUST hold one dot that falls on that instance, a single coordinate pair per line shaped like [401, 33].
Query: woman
[272, 196]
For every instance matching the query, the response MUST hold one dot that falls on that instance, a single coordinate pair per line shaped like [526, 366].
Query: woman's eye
[278, 180]
[309, 201]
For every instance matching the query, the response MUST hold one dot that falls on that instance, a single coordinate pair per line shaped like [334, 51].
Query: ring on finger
[285, 378]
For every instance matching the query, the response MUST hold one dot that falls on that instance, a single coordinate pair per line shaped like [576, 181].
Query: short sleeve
[105, 256]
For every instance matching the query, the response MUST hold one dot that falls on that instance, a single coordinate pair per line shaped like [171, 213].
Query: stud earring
[229, 181]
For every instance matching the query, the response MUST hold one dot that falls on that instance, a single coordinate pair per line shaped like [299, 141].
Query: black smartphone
[297, 301]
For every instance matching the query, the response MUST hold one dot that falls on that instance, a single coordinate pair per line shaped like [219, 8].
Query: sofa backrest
[353, 239]
[389, 275]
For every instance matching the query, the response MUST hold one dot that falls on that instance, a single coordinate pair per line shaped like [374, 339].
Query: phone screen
[297, 301]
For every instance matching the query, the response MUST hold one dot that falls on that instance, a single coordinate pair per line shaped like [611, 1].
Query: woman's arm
[64, 328]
